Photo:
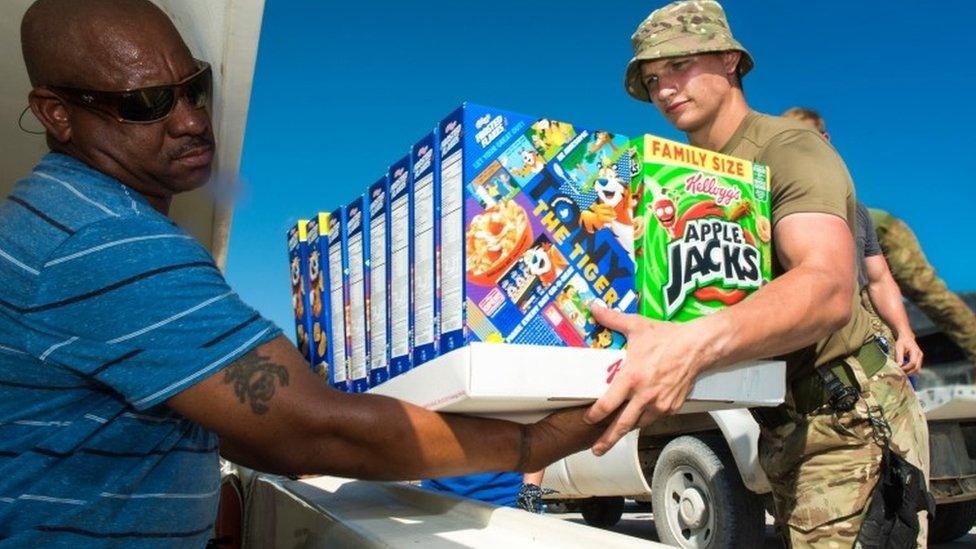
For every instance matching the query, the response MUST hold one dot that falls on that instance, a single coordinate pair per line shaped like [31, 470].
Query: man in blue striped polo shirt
[126, 362]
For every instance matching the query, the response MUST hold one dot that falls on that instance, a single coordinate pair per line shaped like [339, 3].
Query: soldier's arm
[273, 414]
[811, 300]
[886, 297]
[887, 300]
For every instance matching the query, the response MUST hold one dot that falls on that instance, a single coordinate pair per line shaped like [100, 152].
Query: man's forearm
[793, 311]
[378, 438]
[887, 301]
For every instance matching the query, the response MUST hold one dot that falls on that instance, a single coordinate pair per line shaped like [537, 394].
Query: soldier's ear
[730, 60]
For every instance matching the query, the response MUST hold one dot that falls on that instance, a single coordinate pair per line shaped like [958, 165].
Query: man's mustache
[192, 144]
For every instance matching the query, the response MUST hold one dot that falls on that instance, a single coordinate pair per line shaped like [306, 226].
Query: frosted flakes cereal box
[400, 260]
[536, 222]
[357, 254]
[338, 301]
[425, 177]
[298, 256]
[378, 281]
[318, 272]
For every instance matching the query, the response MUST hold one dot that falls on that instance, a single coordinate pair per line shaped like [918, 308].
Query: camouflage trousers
[822, 467]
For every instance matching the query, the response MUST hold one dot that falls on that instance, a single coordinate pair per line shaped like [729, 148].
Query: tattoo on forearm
[255, 380]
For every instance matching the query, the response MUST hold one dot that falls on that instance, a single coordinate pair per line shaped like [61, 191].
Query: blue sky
[341, 90]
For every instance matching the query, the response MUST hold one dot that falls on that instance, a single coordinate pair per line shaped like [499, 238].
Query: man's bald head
[117, 45]
[95, 44]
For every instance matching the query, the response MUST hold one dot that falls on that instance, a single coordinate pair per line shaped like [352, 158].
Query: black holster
[892, 518]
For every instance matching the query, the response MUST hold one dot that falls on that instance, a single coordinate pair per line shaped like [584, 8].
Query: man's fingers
[619, 427]
[900, 354]
[618, 392]
[615, 320]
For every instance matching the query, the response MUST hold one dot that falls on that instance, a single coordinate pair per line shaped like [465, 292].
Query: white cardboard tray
[520, 381]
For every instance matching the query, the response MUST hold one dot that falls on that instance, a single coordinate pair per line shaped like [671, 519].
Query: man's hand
[663, 359]
[908, 354]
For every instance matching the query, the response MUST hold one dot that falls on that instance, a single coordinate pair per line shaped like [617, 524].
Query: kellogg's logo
[423, 161]
[355, 219]
[292, 238]
[702, 184]
[334, 228]
[376, 203]
[399, 182]
[451, 136]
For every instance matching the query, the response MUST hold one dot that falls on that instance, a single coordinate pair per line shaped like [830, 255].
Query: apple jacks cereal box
[425, 178]
[318, 273]
[357, 253]
[338, 300]
[298, 264]
[401, 259]
[378, 282]
[702, 229]
[536, 223]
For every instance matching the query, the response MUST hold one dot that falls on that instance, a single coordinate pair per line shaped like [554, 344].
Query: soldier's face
[690, 90]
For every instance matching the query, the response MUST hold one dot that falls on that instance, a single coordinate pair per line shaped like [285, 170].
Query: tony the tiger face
[296, 273]
[538, 262]
[313, 266]
[610, 191]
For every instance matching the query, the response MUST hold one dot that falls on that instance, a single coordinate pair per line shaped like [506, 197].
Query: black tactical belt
[809, 393]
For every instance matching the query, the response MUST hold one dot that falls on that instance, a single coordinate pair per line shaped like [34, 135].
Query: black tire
[602, 512]
[952, 521]
[699, 499]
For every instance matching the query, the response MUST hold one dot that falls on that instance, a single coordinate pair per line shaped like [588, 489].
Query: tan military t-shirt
[808, 176]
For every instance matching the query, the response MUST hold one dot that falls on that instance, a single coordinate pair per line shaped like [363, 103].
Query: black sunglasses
[145, 105]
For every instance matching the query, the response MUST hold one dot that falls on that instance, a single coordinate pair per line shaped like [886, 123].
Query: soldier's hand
[662, 361]
[908, 354]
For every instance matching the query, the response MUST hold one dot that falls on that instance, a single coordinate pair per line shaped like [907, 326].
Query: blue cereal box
[357, 254]
[401, 259]
[338, 300]
[378, 282]
[298, 265]
[425, 176]
[318, 273]
[536, 222]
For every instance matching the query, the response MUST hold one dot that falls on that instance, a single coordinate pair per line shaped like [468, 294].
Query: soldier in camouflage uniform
[822, 463]
[918, 282]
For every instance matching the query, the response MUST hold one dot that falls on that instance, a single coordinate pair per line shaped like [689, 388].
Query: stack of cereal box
[502, 228]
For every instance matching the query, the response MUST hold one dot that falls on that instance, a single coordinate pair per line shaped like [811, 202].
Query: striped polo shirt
[107, 309]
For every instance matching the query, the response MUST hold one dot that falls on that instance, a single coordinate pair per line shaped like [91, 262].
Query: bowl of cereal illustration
[495, 239]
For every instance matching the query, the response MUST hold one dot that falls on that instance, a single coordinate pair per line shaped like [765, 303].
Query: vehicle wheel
[699, 500]
[556, 507]
[602, 512]
[952, 521]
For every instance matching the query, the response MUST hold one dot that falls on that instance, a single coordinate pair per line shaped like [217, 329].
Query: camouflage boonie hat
[681, 28]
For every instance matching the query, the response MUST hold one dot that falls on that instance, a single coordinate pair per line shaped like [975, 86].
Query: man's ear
[51, 111]
[730, 61]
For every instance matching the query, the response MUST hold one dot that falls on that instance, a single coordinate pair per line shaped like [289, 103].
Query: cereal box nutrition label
[452, 244]
[377, 280]
[400, 241]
